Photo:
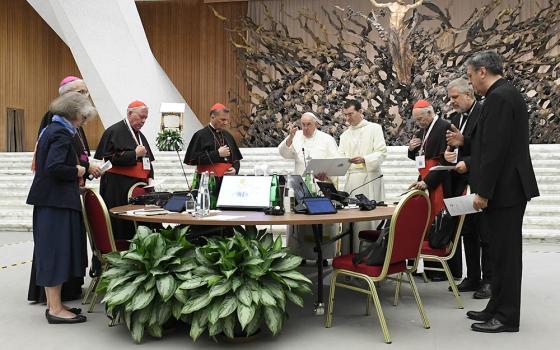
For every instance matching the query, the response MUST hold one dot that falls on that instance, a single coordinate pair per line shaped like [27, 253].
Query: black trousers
[475, 240]
[505, 225]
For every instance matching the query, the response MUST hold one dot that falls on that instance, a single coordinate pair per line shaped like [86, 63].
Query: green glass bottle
[274, 191]
[309, 183]
[213, 189]
[195, 181]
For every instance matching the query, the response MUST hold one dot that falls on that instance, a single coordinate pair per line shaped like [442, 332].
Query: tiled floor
[23, 326]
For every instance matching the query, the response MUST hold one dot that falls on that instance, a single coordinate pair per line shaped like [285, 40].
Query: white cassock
[299, 238]
[364, 140]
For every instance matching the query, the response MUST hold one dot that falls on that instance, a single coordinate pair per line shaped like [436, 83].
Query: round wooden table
[252, 218]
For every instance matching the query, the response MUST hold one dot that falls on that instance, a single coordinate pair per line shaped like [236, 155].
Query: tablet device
[176, 203]
[319, 205]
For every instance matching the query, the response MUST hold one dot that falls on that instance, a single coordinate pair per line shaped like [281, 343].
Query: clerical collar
[213, 128]
[361, 124]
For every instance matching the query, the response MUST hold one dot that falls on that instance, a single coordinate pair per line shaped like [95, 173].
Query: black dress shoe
[493, 326]
[479, 315]
[74, 310]
[60, 320]
[467, 285]
[484, 292]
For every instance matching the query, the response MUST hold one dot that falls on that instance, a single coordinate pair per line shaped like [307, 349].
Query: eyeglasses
[83, 92]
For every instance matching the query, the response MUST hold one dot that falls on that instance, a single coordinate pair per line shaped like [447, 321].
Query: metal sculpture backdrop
[353, 56]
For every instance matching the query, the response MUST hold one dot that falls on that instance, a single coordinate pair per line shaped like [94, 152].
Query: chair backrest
[98, 223]
[409, 224]
[452, 246]
[137, 190]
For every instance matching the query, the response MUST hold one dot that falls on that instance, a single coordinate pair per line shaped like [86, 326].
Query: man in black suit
[466, 115]
[503, 180]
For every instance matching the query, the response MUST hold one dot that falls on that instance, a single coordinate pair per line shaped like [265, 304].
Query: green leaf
[196, 329]
[182, 295]
[201, 257]
[228, 306]
[277, 255]
[220, 289]
[228, 325]
[141, 299]
[114, 272]
[193, 283]
[196, 303]
[252, 261]
[244, 295]
[295, 275]
[137, 331]
[273, 318]
[245, 314]
[267, 298]
[256, 296]
[277, 244]
[255, 323]
[229, 273]
[236, 282]
[176, 309]
[274, 288]
[294, 298]
[267, 241]
[215, 329]
[120, 295]
[184, 276]
[289, 263]
[186, 266]
[115, 282]
[166, 286]
[213, 279]
[132, 255]
[154, 330]
[214, 310]
[150, 284]
[303, 289]
[250, 232]
[142, 232]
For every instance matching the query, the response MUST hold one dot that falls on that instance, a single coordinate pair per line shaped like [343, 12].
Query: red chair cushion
[344, 262]
[369, 235]
[427, 250]
[122, 245]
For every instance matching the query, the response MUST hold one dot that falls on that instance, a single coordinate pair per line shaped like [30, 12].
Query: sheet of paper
[442, 167]
[460, 205]
[106, 166]
[155, 183]
[221, 217]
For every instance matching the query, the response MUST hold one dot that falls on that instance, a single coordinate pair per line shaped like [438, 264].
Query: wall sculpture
[353, 55]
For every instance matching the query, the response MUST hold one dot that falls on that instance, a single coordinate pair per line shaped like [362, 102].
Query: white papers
[106, 166]
[221, 217]
[442, 167]
[155, 183]
[330, 167]
[460, 205]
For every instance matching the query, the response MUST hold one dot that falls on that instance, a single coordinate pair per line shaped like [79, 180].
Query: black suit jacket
[502, 170]
[460, 181]
[56, 177]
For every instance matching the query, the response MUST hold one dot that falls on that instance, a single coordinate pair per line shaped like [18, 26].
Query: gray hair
[427, 109]
[490, 60]
[136, 109]
[462, 85]
[72, 105]
[312, 115]
[68, 86]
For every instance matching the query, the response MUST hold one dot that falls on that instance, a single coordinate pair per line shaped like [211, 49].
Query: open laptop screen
[300, 189]
[245, 192]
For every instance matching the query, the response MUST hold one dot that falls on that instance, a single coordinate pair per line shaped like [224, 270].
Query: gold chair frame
[371, 292]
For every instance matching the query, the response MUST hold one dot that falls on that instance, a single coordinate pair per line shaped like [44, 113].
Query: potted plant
[140, 286]
[169, 140]
[241, 282]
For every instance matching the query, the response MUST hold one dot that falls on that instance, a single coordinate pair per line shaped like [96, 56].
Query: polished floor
[23, 326]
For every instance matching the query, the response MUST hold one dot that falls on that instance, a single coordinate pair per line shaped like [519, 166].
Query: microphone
[365, 183]
[304, 159]
[181, 162]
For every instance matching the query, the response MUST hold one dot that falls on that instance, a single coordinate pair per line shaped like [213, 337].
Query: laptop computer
[245, 193]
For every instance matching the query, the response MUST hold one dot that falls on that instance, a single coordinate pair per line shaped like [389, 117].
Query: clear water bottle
[190, 204]
[203, 198]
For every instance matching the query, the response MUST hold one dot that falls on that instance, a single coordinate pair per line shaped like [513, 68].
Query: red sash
[436, 196]
[219, 169]
[136, 171]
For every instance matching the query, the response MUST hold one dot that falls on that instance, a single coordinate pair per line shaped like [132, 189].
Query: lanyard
[133, 134]
[466, 118]
[428, 134]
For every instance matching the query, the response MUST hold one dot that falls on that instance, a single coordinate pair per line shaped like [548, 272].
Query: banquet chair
[408, 226]
[137, 190]
[100, 233]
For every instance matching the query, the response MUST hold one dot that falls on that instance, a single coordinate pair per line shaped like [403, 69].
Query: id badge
[360, 166]
[146, 163]
[421, 162]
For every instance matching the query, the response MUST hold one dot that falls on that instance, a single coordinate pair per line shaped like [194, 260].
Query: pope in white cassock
[364, 143]
[317, 145]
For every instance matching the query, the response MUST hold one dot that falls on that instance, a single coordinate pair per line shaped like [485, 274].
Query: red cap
[421, 104]
[135, 104]
[218, 107]
[68, 79]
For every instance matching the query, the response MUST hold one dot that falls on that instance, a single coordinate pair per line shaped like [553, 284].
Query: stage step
[541, 218]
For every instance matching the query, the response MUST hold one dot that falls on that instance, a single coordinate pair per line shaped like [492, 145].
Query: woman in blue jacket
[57, 209]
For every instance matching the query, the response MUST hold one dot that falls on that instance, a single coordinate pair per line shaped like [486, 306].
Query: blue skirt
[59, 241]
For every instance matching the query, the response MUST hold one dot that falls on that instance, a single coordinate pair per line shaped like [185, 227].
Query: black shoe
[74, 310]
[467, 286]
[479, 315]
[60, 320]
[484, 292]
[493, 326]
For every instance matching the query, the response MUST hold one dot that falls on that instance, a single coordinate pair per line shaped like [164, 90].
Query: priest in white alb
[303, 145]
[364, 144]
